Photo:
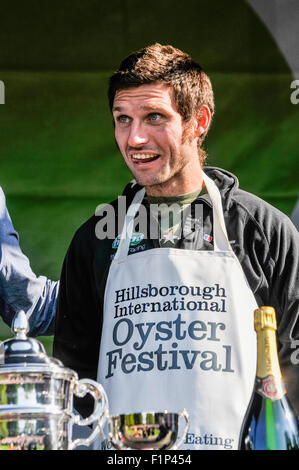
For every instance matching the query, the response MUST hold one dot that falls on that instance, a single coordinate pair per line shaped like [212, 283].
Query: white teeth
[141, 156]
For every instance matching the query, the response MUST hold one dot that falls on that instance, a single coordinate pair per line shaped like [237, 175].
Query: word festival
[168, 339]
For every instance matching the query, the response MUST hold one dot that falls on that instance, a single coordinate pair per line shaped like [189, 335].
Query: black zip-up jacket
[263, 238]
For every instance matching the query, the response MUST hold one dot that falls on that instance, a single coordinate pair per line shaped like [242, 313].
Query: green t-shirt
[167, 211]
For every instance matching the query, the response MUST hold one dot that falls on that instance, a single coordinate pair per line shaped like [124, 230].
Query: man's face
[158, 147]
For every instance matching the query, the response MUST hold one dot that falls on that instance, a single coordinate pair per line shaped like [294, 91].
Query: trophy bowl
[36, 397]
[147, 430]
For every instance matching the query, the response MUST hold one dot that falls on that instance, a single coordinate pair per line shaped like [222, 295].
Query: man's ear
[203, 120]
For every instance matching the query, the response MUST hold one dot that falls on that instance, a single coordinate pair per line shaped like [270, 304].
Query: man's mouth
[144, 157]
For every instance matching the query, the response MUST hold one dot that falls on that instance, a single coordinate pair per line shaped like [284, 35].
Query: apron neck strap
[127, 231]
[221, 242]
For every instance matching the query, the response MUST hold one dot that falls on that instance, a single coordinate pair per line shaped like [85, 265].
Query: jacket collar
[227, 184]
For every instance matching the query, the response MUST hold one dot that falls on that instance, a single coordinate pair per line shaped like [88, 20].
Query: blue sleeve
[20, 288]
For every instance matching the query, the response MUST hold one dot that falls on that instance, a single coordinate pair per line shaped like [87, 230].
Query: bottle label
[270, 387]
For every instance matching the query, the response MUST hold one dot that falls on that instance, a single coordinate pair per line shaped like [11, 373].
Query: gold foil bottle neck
[264, 317]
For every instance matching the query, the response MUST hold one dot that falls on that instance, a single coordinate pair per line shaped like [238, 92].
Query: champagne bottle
[270, 422]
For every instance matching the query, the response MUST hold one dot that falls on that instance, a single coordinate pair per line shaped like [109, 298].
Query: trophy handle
[100, 412]
[183, 414]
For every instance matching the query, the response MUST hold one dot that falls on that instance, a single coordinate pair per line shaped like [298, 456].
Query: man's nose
[138, 135]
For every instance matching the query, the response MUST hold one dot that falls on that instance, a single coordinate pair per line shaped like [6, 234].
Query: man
[166, 321]
[20, 288]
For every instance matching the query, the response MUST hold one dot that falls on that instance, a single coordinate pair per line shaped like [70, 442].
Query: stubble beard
[160, 183]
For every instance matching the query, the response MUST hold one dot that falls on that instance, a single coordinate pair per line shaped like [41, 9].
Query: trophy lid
[22, 350]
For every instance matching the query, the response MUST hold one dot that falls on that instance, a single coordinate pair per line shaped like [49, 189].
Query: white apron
[178, 333]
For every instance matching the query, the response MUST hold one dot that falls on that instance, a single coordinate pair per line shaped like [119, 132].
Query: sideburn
[187, 137]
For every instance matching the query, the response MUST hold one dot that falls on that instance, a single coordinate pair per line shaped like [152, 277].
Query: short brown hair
[158, 63]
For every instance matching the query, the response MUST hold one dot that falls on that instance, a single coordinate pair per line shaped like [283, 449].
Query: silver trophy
[147, 430]
[36, 397]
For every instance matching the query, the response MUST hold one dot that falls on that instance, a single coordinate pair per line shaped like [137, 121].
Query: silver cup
[36, 397]
[147, 430]
[37, 418]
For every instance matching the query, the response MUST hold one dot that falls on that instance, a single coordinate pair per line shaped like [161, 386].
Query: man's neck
[175, 188]
[181, 199]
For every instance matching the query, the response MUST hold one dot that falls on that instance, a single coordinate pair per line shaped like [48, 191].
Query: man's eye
[155, 116]
[123, 119]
